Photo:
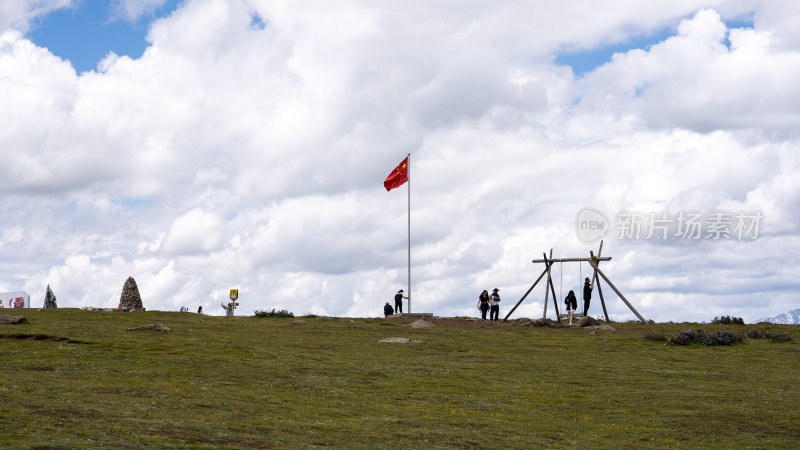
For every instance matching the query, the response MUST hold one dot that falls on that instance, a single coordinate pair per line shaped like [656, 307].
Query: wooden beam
[600, 272]
[526, 294]
[605, 258]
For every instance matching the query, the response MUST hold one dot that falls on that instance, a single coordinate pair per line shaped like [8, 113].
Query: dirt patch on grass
[39, 369]
[751, 429]
[33, 337]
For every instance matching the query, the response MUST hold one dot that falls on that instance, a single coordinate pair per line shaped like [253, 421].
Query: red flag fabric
[398, 177]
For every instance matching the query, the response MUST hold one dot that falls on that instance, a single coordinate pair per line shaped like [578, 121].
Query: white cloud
[196, 231]
[231, 156]
[18, 14]
[693, 80]
[133, 10]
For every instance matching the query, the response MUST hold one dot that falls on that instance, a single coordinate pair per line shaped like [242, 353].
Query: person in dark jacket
[572, 304]
[387, 310]
[587, 296]
[483, 303]
[398, 301]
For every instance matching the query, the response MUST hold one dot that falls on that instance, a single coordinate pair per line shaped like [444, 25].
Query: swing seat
[574, 316]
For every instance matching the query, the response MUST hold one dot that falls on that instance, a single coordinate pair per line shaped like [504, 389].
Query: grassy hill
[246, 382]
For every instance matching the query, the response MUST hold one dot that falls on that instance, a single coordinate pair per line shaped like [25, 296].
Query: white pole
[409, 232]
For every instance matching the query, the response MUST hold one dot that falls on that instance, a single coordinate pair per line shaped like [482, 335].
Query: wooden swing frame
[594, 261]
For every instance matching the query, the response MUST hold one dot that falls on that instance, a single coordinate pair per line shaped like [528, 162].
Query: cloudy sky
[205, 145]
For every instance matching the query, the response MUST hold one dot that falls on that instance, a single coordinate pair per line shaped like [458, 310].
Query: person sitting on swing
[572, 304]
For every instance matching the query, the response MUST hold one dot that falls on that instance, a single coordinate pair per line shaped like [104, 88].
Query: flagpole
[409, 232]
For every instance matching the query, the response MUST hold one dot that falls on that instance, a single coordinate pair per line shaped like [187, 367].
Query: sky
[207, 145]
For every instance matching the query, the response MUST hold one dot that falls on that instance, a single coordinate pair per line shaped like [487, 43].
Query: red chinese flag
[398, 176]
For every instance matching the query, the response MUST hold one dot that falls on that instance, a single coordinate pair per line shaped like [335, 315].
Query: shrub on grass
[728, 320]
[273, 313]
[779, 337]
[700, 337]
[775, 337]
[726, 337]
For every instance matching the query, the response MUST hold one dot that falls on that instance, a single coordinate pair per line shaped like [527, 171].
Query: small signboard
[234, 297]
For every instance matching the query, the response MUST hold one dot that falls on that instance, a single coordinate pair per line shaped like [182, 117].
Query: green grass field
[246, 382]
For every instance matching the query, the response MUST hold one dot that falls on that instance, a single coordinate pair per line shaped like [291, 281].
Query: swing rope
[561, 287]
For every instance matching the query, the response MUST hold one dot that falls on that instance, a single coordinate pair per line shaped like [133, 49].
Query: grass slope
[247, 382]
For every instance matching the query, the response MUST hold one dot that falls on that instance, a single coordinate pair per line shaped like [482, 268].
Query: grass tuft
[273, 313]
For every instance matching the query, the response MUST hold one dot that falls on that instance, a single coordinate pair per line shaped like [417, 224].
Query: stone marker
[155, 326]
[130, 299]
[12, 319]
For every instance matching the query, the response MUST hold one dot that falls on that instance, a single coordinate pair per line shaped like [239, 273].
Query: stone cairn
[130, 300]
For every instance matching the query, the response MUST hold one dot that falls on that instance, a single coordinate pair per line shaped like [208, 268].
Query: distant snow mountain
[787, 318]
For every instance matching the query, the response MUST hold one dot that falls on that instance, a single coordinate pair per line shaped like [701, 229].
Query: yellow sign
[234, 294]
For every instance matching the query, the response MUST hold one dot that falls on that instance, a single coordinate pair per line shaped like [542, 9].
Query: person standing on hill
[587, 296]
[398, 302]
[228, 309]
[483, 303]
[387, 310]
[494, 301]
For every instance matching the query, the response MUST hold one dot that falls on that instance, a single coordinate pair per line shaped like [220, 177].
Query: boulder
[588, 321]
[130, 299]
[400, 340]
[12, 319]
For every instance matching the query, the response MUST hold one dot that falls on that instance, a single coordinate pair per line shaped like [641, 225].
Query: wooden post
[597, 281]
[600, 293]
[550, 285]
[526, 294]
[600, 272]
[546, 289]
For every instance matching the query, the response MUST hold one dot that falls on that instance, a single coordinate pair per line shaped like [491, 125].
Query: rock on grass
[155, 326]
